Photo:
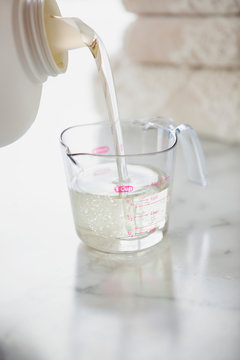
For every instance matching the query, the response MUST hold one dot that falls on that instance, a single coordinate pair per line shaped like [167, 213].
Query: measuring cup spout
[193, 154]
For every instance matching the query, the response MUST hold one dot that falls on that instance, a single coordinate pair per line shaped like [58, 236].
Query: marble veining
[179, 300]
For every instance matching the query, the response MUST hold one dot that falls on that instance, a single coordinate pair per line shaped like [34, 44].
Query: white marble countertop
[61, 301]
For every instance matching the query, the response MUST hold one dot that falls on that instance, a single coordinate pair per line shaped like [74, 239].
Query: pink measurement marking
[142, 227]
[165, 197]
[130, 218]
[101, 150]
[144, 232]
[121, 189]
[141, 200]
[141, 215]
[156, 182]
[154, 202]
[142, 205]
[164, 179]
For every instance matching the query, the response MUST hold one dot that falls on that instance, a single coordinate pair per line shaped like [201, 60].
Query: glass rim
[68, 153]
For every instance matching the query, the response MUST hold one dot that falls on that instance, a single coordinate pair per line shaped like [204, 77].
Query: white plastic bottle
[28, 55]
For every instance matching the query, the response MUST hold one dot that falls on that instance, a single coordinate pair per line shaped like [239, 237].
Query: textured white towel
[207, 100]
[194, 41]
[224, 7]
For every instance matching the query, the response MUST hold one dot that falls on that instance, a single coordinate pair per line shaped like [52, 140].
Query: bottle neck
[32, 34]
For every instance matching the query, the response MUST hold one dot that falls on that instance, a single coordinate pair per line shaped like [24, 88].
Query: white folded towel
[207, 100]
[224, 7]
[194, 41]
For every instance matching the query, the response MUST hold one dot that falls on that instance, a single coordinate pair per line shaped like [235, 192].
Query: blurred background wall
[181, 58]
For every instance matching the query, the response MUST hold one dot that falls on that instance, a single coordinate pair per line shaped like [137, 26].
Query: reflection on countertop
[179, 300]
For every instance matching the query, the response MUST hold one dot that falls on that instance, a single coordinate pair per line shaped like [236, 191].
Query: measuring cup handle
[193, 154]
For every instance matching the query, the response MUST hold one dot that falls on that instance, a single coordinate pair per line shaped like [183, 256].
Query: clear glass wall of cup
[114, 216]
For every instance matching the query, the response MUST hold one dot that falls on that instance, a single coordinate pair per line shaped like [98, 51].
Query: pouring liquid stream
[74, 33]
[101, 214]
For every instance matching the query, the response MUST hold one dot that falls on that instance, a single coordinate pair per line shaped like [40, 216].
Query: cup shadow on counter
[122, 298]
[147, 274]
[182, 268]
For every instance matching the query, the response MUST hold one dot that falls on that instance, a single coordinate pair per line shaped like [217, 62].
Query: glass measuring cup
[112, 216]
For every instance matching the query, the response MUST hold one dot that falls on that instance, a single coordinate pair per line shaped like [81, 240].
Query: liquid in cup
[126, 212]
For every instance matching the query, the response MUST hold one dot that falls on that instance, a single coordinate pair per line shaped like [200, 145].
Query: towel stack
[183, 61]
